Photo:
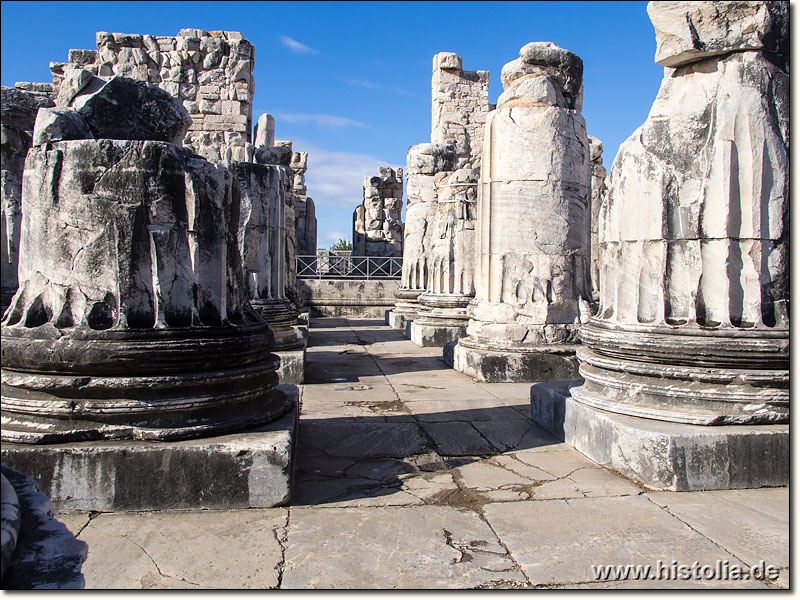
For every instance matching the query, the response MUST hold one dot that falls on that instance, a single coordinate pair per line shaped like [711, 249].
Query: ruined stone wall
[460, 102]
[210, 72]
[377, 224]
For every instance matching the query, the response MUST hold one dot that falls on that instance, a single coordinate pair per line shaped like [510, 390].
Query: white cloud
[335, 179]
[360, 83]
[328, 237]
[371, 85]
[295, 46]
[322, 120]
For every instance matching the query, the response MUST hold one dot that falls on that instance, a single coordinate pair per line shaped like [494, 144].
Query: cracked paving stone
[457, 438]
[556, 542]
[335, 438]
[191, 549]
[514, 435]
[756, 523]
[460, 409]
[428, 547]
[559, 462]
[484, 476]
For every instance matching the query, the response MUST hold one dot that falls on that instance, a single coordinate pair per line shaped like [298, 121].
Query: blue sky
[349, 82]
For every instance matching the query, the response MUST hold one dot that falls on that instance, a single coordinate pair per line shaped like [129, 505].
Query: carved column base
[282, 318]
[167, 384]
[442, 319]
[495, 361]
[701, 376]
[662, 455]
[405, 308]
[248, 469]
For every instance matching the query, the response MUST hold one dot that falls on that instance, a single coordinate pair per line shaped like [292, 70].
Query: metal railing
[344, 266]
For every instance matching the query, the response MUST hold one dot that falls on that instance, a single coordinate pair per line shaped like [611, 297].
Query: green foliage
[342, 245]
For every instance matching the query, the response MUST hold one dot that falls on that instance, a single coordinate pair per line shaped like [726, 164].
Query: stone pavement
[411, 475]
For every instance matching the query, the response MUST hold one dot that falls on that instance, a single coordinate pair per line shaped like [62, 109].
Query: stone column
[459, 105]
[18, 114]
[291, 243]
[426, 166]
[262, 189]
[442, 317]
[132, 318]
[280, 311]
[599, 191]
[305, 227]
[532, 277]
[693, 325]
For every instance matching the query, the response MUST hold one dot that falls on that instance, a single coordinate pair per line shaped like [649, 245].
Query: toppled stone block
[274, 155]
[18, 108]
[563, 69]
[690, 31]
[60, 124]
[128, 109]
[74, 81]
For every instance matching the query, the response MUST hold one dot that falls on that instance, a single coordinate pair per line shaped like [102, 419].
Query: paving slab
[360, 439]
[428, 547]
[185, 550]
[513, 435]
[753, 525]
[460, 409]
[348, 391]
[457, 438]
[557, 542]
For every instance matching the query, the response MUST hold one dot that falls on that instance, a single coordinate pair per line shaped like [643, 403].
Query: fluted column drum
[132, 317]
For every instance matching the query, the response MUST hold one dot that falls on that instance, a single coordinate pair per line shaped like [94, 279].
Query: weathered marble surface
[459, 105]
[305, 227]
[599, 192]
[261, 239]
[532, 279]
[694, 246]
[17, 117]
[377, 224]
[690, 31]
[427, 166]
[132, 317]
[442, 316]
